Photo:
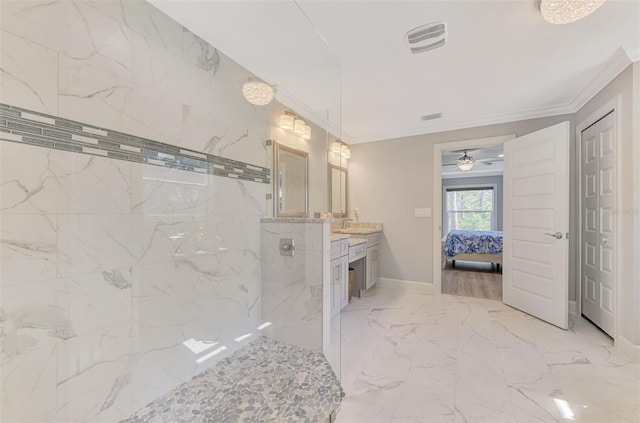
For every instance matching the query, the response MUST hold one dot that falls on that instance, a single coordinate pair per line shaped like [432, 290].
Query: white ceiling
[501, 62]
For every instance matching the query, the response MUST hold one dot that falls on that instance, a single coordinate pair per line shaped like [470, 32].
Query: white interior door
[536, 218]
[597, 222]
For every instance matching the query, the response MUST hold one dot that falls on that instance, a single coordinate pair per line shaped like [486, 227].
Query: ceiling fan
[466, 162]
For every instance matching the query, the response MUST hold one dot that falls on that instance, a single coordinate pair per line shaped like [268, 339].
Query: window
[470, 209]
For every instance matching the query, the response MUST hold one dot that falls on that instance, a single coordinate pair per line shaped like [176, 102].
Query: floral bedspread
[481, 242]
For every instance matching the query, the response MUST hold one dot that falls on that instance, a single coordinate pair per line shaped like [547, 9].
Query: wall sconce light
[258, 92]
[307, 132]
[298, 126]
[338, 147]
[286, 121]
[345, 151]
[293, 123]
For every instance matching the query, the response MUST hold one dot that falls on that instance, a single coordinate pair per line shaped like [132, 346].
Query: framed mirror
[338, 191]
[291, 181]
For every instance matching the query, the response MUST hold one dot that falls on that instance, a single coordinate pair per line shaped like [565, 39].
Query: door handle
[557, 235]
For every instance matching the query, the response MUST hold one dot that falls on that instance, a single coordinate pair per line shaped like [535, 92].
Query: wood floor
[472, 279]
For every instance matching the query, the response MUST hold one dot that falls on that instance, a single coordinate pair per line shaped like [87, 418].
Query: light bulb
[345, 151]
[298, 126]
[307, 132]
[286, 121]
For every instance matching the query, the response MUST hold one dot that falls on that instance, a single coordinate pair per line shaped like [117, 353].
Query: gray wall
[388, 179]
[464, 182]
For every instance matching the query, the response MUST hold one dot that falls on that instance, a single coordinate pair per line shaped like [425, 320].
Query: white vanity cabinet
[373, 266]
[372, 262]
[339, 275]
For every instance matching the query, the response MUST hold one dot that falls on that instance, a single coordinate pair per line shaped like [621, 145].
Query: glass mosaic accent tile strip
[39, 129]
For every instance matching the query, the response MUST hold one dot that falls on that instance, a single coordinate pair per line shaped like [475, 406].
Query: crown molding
[472, 123]
[617, 63]
[613, 67]
[633, 53]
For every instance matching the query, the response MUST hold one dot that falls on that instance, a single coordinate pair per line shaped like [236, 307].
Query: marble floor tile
[414, 357]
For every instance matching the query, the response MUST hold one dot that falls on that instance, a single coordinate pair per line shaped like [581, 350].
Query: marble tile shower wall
[109, 266]
[296, 289]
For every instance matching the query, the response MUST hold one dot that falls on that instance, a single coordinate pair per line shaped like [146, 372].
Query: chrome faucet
[344, 223]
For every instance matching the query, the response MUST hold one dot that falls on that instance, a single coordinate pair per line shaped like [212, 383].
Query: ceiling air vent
[431, 116]
[427, 37]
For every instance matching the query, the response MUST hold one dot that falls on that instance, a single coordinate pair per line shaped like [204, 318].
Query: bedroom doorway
[471, 222]
[536, 221]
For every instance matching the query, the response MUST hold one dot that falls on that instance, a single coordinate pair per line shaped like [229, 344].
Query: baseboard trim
[627, 349]
[406, 285]
[572, 307]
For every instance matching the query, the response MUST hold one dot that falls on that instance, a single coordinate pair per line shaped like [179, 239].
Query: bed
[483, 246]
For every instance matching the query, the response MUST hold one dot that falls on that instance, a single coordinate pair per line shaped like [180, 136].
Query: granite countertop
[361, 228]
[297, 219]
[266, 381]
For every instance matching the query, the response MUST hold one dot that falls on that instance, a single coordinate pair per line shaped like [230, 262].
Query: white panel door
[597, 222]
[536, 216]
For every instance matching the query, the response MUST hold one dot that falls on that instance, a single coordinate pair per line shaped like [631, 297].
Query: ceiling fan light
[566, 11]
[465, 163]
[258, 92]
[465, 167]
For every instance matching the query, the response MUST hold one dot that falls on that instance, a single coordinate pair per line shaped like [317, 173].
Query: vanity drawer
[339, 248]
[357, 252]
[373, 239]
